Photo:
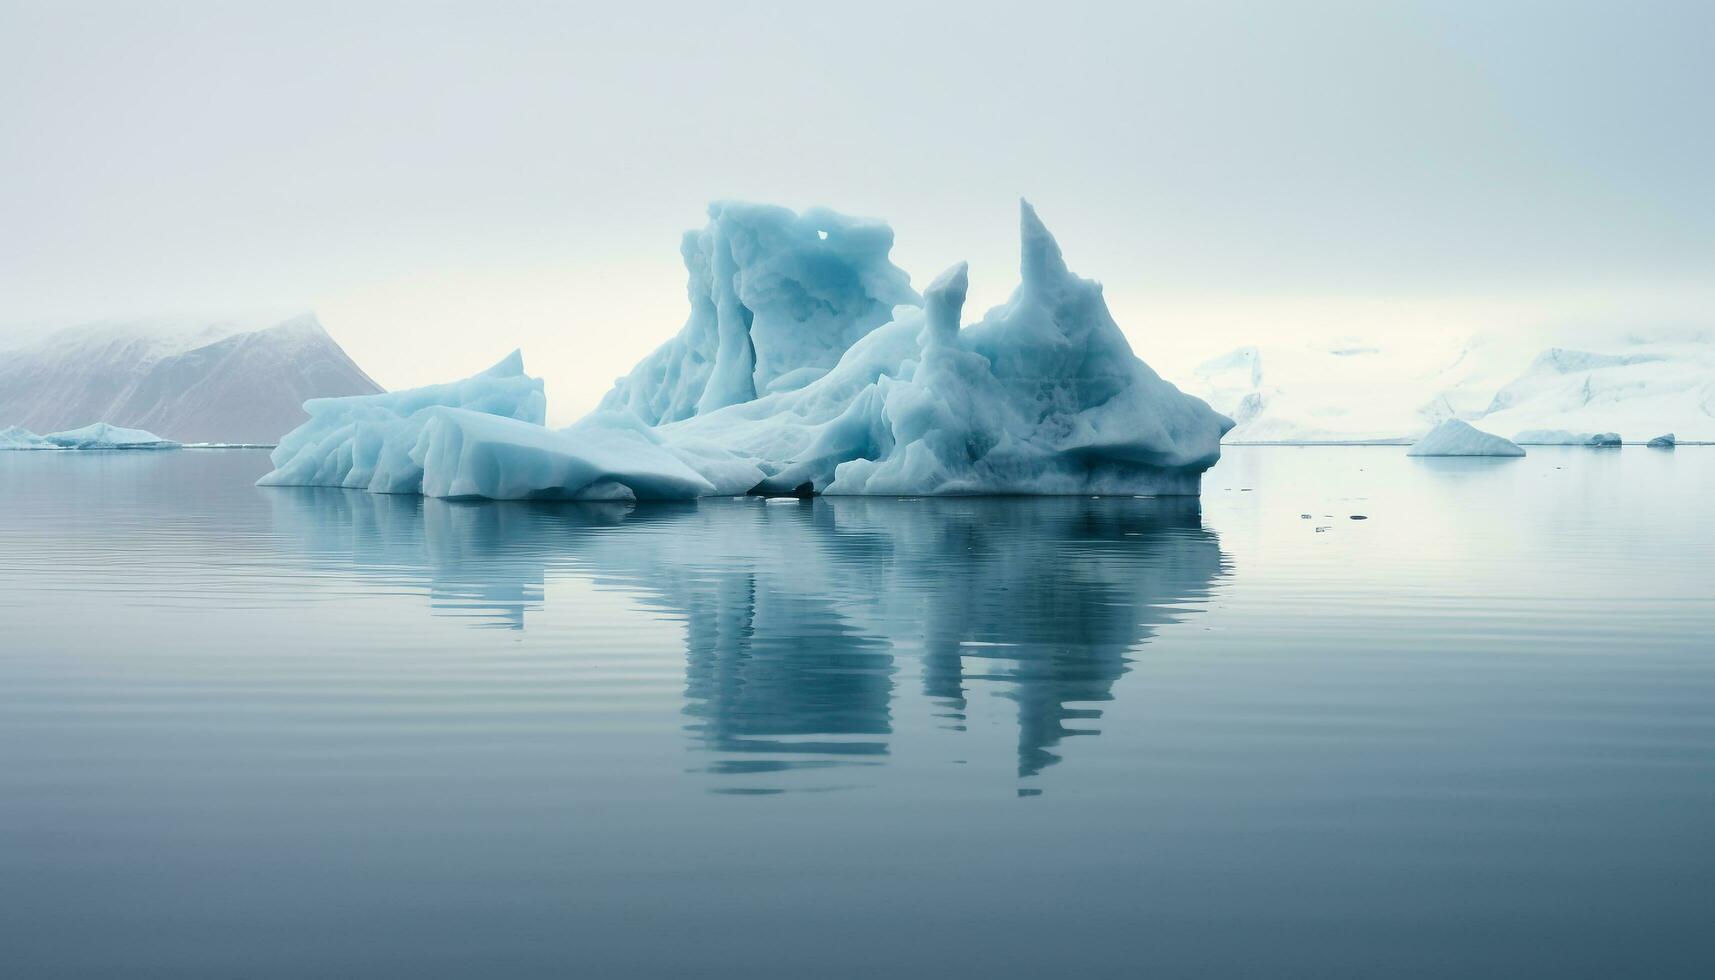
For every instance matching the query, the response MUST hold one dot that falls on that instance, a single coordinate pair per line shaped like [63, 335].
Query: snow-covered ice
[1636, 381]
[1456, 438]
[807, 360]
[103, 436]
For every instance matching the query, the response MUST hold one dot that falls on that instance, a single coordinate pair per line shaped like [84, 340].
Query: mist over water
[351, 733]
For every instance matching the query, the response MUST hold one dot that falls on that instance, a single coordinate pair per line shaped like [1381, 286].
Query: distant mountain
[1640, 384]
[1337, 392]
[193, 382]
[1641, 391]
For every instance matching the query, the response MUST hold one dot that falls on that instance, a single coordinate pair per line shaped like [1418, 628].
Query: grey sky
[443, 181]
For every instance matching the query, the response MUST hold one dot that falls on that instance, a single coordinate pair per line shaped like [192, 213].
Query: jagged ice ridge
[807, 365]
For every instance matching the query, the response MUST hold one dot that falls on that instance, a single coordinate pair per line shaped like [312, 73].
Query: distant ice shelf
[808, 365]
[1637, 382]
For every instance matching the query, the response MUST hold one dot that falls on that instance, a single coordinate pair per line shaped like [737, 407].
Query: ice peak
[1039, 258]
[942, 302]
[510, 366]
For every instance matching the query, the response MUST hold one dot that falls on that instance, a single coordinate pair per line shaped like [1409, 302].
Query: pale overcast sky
[442, 182]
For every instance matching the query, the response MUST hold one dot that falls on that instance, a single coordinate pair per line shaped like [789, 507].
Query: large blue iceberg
[808, 365]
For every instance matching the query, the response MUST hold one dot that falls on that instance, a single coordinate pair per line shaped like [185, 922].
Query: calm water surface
[317, 733]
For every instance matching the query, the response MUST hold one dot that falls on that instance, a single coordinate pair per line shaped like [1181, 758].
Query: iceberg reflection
[800, 617]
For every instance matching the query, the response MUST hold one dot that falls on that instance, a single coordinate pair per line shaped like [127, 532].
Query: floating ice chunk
[1604, 440]
[18, 437]
[1043, 395]
[1456, 438]
[1663, 442]
[104, 436]
[364, 442]
[797, 373]
[1551, 437]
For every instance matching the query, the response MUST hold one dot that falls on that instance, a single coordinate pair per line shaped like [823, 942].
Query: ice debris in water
[1663, 442]
[1454, 437]
[808, 364]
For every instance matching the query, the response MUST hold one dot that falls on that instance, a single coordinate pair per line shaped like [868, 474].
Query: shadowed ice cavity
[796, 615]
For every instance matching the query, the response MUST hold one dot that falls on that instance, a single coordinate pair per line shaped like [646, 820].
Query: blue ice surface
[808, 365]
[18, 437]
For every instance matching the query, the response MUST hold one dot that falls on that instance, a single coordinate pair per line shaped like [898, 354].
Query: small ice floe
[1604, 440]
[1663, 442]
[104, 436]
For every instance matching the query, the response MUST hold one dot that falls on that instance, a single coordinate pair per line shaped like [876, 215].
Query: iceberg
[1663, 442]
[1552, 437]
[104, 436]
[1565, 437]
[18, 437]
[808, 365]
[1456, 438]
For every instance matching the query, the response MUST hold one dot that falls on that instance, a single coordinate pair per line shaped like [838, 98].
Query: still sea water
[316, 733]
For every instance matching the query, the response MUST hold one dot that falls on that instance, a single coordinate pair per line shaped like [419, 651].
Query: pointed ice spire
[1039, 258]
[510, 366]
[942, 303]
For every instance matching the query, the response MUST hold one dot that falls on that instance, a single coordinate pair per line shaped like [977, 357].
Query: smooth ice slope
[784, 377]
[1456, 438]
[104, 436]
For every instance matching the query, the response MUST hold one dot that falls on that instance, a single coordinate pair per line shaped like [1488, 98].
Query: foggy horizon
[441, 186]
